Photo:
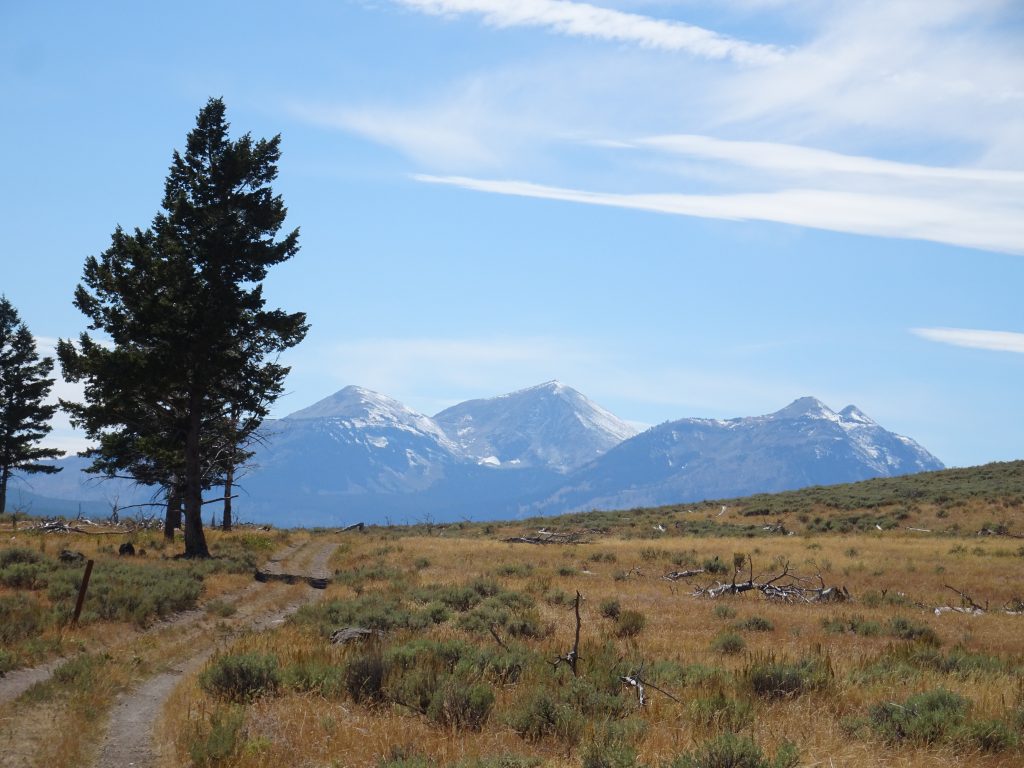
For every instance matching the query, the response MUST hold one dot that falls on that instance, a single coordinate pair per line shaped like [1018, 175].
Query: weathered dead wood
[550, 537]
[967, 601]
[353, 634]
[785, 586]
[497, 637]
[573, 656]
[676, 575]
[638, 686]
[636, 681]
[354, 527]
[967, 604]
[1000, 530]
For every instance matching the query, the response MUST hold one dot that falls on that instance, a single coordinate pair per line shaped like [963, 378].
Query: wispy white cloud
[585, 20]
[964, 224]
[452, 134]
[949, 69]
[943, 89]
[793, 159]
[996, 341]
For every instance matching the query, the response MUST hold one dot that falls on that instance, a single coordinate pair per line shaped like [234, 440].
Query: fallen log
[548, 537]
[676, 575]
[785, 586]
[353, 634]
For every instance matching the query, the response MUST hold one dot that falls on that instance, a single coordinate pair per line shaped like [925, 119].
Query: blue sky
[679, 208]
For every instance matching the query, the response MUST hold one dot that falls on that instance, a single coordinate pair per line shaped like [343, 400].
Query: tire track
[129, 739]
[16, 682]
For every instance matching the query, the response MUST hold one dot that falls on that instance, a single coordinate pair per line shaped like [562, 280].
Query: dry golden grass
[119, 655]
[303, 729]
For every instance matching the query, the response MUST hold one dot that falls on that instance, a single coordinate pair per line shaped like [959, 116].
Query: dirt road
[129, 739]
[187, 640]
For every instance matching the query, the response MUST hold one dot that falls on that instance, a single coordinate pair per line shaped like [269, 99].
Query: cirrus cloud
[585, 20]
[995, 341]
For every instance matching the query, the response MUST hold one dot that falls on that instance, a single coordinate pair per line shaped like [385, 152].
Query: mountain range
[358, 455]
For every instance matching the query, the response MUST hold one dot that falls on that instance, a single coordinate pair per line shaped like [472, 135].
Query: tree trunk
[172, 518]
[4, 474]
[229, 479]
[195, 540]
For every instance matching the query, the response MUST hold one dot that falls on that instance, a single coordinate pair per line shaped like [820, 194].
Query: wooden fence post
[81, 593]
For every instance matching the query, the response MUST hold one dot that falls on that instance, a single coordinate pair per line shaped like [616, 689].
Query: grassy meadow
[465, 664]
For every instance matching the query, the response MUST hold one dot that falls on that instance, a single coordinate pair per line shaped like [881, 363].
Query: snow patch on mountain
[549, 425]
[360, 408]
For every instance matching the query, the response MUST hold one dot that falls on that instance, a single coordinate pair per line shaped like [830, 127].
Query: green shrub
[856, 624]
[729, 643]
[610, 608]
[82, 671]
[78, 674]
[311, 675]
[241, 677]
[723, 611]
[512, 612]
[926, 718]
[905, 661]
[221, 742]
[731, 751]
[715, 565]
[221, 608]
[515, 570]
[501, 666]
[135, 592]
[21, 617]
[905, 629]
[461, 706]
[613, 744]
[21, 575]
[630, 623]
[773, 678]
[990, 735]
[755, 624]
[605, 755]
[363, 675]
[558, 597]
[373, 611]
[19, 555]
[721, 712]
[542, 714]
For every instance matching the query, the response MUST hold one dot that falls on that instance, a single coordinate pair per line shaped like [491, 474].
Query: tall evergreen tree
[24, 385]
[192, 346]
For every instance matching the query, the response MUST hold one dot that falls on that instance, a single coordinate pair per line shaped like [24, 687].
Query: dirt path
[16, 682]
[129, 739]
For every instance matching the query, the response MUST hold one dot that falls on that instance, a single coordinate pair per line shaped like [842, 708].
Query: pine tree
[192, 346]
[24, 385]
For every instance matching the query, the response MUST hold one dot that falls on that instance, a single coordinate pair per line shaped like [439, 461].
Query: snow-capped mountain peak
[855, 415]
[806, 408]
[547, 425]
[359, 407]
